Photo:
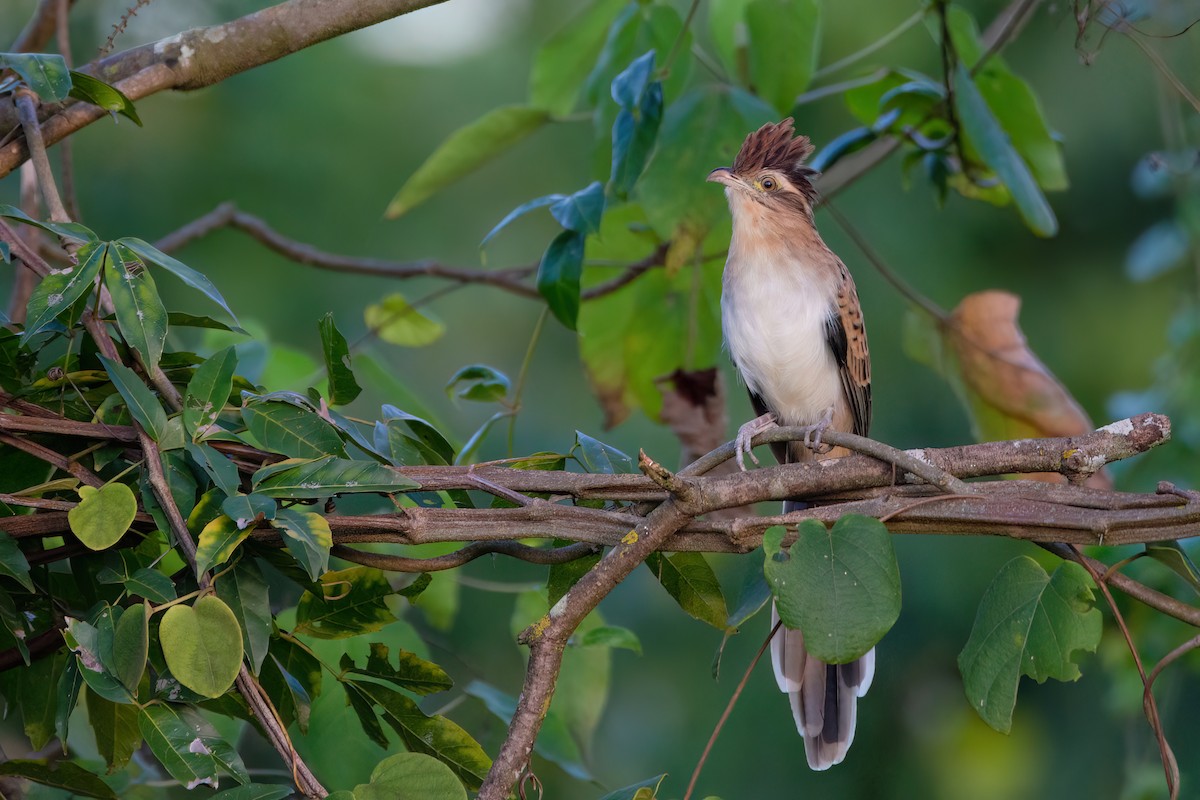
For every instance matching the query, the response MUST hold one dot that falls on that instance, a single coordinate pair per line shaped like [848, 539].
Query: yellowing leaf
[202, 645]
[397, 322]
[103, 515]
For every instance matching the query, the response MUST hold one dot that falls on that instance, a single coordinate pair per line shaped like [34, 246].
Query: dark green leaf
[394, 320]
[59, 290]
[92, 645]
[307, 537]
[67, 230]
[465, 150]
[115, 726]
[364, 709]
[520, 211]
[328, 476]
[181, 319]
[840, 586]
[131, 644]
[849, 142]
[634, 134]
[246, 509]
[554, 741]
[291, 430]
[343, 388]
[141, 316]
[65, 775]
[434, 736]
[996, 150]
[13, 562]
[208, 392]
[634, 791]
[426, 433]
[479, 382]
[639, 28]
[611, 636]
[581, 211]
[103, 515]
[354, 604]
[563, 576]
[785, 37]
[1028, 623]
[188, 746]
[98, 93]
[753, 593]
[67, 697]
[597, 457]
[1174, 556]
[141, 402]
[202, 644]
[411, 776]
[47, 74]
[689, 579]
[33, 690]
[292, 679]
[411, 672]
[152, 585]
[256, 791]
[222, 470]
[194, 279]
[562, 64]
[244, 590]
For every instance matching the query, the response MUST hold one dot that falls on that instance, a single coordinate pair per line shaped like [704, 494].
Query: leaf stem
[524, 374]
[687, 23]
[878, 44]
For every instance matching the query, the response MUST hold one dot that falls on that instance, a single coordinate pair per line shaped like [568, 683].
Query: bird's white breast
[774, 308]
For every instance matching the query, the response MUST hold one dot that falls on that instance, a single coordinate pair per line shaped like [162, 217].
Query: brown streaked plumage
[794, 329]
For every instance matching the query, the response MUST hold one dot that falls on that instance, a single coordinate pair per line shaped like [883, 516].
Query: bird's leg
[742, 445]
[813, 432]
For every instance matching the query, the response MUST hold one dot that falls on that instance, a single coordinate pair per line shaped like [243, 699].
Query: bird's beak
[723, 175]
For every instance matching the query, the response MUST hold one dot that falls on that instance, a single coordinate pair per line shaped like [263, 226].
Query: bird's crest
[775, 146]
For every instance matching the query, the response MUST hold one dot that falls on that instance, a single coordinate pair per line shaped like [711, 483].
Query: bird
[794, 329]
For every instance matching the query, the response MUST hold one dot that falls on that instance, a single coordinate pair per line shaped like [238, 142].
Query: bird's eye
[768, 184]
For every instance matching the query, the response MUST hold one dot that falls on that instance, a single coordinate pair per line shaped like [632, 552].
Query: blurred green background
[317, 143]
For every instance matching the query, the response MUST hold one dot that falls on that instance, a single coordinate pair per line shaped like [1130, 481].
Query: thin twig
[875, 46]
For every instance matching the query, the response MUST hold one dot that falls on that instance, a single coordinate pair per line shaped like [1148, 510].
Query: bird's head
[769, 173]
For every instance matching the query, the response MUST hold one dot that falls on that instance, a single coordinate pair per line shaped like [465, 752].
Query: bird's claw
[743, 445]
[813, 433]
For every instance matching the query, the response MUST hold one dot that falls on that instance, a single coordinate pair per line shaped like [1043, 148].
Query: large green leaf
[59, 774]
[13, 562]
[354, 604]
[328, 476]
[1028, 623]
[308, 538]
[635, 129]
[411, 672]
[188, 746]
[291, 430]
[98, 93]
[115, 726]
[202, 644]
[197, 280]
[465, 150]
[141, 315]
[131, 645]
[103, 515]
[46, 73]
[639, 28]
[689, 579]
[222, 470]
[141, 402]
[207, 393]
[343, 388]
[66, 230]
[33, 691]
[785, 38]
[995, 148]
[434, 736]
[92, 646]
[395, 321]
[840, 586]
[59, 290]
[411, 776]
[245, 591]
[558, 276]
[247, 509]
[562, 64]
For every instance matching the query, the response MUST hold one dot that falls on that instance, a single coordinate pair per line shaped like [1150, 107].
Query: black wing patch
[857, 390]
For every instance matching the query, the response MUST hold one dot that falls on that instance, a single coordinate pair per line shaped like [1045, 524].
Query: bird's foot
[813, 433]
[742, 444]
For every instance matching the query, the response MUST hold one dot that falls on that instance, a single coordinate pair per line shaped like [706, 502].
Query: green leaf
[397, 322]
[290, 430]
[562, 64]
[554, 741]
[103, 515]
[1174, 556]
[434, 736]
[66, 230]
[558, 276]
[202, 644]
[635, 129]
[752, 595]
[581, 211]
[150, 584]
[98, 93]
[141, 316]
[207, 393]
[33, 691]
[597, 457]
[612, 636]
[13, 562]
[217, 541]
[636, 791]
[115, 726]
[639, 28]
[67, 697]
[689, 579]
[93, 648]
[355, 604]
[1028, 623]
[480, 383]
[411, 776]
[840, 586]
[411, 672]
[131, 645]
[188, 746]
[430, 438]
[328, 476]
[197, 280]
[246, 509]
[292, 679]
[256, 791]
[726, 27]
[563, 576]
[59, 290]
[520, 211]
[141, 402]
[308, 538]
[785, 38]
[222, 470]
[245, 591]
[45, 73]
[181, 319]
[996, 150]
[464, 151]
[343, 388]
[65, 775]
